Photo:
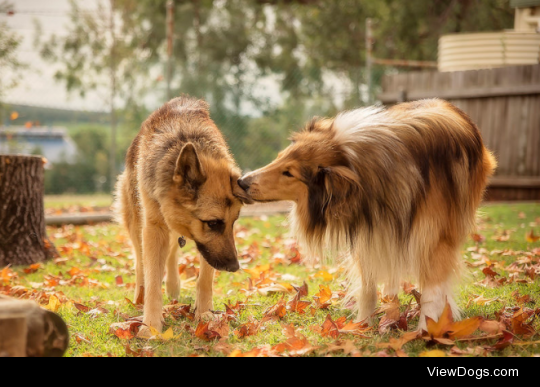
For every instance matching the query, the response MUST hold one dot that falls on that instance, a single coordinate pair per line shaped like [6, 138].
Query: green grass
[62, 202]
[102, 253]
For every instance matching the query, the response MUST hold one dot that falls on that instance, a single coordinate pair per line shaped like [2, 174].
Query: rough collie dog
[180, 180]
[394, 190]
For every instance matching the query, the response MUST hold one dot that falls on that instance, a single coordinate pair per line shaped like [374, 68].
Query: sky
[38, 86]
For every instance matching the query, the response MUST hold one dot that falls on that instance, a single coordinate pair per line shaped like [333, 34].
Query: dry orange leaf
[257, 271]
[202, 332]
[126, 330]
[302, 291]
[329, 328]
[531, 238]
[54, 304]
[397, 344]
[7, 274]
[32, 268]
[248, 329]
[277, 311]
[520, 326]
[324, 275]
[446, 327]
[298, 306]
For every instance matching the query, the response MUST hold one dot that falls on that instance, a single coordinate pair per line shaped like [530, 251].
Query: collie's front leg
[436, 284]
[366, 300]
[205, 285]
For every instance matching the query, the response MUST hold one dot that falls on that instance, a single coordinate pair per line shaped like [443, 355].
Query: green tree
[100, 52]
[9, 63]
[89, 170]
[225, 52]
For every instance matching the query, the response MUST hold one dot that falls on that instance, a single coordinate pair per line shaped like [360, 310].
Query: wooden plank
[478, 92]
[514, 182]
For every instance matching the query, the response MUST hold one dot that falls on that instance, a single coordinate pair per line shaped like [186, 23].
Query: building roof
[52, 143]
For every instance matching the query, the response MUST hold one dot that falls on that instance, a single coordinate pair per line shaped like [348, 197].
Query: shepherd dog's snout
[218, 261]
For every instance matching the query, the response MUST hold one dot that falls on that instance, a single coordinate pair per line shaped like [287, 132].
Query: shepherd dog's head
[203, 204]
[314, 171]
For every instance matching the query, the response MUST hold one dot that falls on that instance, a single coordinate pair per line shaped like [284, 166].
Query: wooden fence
[503, 102]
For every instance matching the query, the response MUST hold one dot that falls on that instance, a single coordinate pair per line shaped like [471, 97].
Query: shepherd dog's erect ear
[189, 170]
[237, 191]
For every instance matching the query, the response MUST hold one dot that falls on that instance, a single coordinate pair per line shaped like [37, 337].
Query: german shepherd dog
[180, 180]
[395, 191]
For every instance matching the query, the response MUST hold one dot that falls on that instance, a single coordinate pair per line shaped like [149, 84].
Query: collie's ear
[189, 170]
[237, 191]
[328, 190]
[340, 181]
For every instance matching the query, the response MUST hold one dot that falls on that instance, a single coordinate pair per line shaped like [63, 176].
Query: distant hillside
[49, 117]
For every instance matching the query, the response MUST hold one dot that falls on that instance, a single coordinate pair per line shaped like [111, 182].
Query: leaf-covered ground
[279, 306]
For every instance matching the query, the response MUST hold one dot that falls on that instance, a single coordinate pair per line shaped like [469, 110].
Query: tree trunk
[28, 330]
[23, 239]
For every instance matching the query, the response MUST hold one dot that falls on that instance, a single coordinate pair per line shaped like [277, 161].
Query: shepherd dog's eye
[215, 224]
[288, 174]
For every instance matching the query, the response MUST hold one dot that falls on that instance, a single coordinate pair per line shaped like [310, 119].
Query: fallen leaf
[329, 328]
[446, 327]
[397, 344]
[491, 327]
[520, 326]
[434, 353]
[81, 308]
[323, 298]
[302, 291]
[347, 347]
[119, 280]
[277, 311]
[478, 238]
[531, 238]
[32, 268]
[391, 317]
[125, 330]
[202, 332]
[54, 304]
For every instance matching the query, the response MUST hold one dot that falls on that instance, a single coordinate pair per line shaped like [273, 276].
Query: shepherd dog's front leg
[155, 246]
[155, 251]
[205, 285]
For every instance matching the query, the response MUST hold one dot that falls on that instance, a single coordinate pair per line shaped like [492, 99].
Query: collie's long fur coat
[395, 191]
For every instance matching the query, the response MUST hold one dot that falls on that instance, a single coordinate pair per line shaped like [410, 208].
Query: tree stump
[26, 330]
[13, 332]
[23, 239]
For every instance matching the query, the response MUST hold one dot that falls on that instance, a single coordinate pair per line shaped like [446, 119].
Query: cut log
[13, 333]
[40, 332]
[23, 239]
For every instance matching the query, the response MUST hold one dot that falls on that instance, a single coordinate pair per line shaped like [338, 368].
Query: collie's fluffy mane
[394, 160]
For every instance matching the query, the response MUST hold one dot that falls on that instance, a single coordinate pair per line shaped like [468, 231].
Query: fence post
[170, 42]
[369, 59]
